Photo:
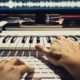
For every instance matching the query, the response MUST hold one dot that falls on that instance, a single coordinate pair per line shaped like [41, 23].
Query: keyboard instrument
[21, 44]
[26, 23]
[21, 33]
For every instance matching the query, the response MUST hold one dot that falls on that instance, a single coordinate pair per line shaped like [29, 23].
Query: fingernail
[32, 69]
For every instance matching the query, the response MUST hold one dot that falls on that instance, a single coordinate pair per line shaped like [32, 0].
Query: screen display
[39, 4]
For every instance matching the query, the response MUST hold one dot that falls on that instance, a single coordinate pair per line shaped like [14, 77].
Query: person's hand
[13, 69]
[64, 52]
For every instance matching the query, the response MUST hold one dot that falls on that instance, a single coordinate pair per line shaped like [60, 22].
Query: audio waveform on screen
[41, 4]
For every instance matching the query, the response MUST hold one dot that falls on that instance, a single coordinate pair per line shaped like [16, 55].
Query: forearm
[76, 73]
[74, 70]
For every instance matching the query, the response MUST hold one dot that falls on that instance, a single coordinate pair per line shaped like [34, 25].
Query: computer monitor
[43, 10]
[56, 6]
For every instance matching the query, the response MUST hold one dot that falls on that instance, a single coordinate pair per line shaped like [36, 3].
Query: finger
[55, 40]
[48, 53]
[55, 45]
[61, 38]
[36, 78]
[79, 45]
[65, 42]
[53, 60]
[24, 68]
[3, 61]
[15, 61]
[70, 41]
[76, 46]
[42, 48]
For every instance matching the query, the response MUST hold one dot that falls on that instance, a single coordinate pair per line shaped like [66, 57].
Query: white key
[20, 21]
[19, 45]
[41, 41]
[2, 53]
[13, 45]
[78, 39]
[44, 74]
[16, 53]
[6, 45]
[52, 39]
[32, 46]
[26, 45]
[46, 43]
[2, 23]
[23, 77]
[1, 39]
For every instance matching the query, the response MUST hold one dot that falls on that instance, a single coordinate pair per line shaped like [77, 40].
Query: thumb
[24, 68]
[48, 52]
[42, 48]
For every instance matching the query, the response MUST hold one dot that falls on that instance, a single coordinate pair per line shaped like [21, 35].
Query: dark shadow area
[64, 75]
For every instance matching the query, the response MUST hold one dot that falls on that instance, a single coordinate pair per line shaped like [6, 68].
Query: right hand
[64, 52]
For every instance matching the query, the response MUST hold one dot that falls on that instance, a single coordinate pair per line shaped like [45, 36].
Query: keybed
[54, 32]
[22, 45]
[29, 42]
[44, 69]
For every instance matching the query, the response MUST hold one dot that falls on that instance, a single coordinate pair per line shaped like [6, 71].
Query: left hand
[13, 69]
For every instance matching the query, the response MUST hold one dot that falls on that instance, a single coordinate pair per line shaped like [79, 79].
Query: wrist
[72, 66]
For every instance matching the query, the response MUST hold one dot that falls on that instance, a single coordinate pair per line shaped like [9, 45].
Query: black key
[40, 54]
[38, 39]
[66, 36]
[19, 53]
[24, 39]
[13, 39]
[74, 38]
[26, 53]
[48, 39]
[78, 36]
[6, 39]
[12, 53]
[31, 40]
[5, 54]
[1, 53]
[33, 53]
[55, 37]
